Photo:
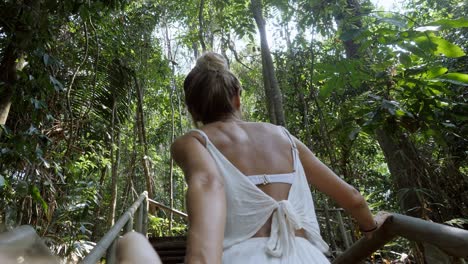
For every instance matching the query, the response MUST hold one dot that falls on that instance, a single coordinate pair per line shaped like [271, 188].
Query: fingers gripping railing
[107, 244]
[453, 241]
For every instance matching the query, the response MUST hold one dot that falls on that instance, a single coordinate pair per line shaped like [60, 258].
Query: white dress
[248, 208]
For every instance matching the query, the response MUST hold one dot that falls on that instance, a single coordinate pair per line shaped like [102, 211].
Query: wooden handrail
[453, 241]
[108, 241]
[167, 208]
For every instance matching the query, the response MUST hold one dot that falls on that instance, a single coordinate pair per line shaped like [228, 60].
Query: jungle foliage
[91, 98]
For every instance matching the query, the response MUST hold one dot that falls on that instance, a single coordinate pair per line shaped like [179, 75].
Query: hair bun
[211, 61]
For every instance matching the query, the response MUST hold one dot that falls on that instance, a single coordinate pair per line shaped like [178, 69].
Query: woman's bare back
[255, 149]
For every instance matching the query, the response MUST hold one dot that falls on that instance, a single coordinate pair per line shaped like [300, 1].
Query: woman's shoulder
[262, 125]
[191, 137]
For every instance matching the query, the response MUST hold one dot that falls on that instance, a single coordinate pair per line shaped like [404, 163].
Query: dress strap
[295, 153]
[291, 140]
[203, 134]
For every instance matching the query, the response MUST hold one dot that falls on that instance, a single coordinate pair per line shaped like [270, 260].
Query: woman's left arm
[206, 200]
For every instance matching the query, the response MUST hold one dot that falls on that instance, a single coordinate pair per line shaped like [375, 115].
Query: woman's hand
[379, 219]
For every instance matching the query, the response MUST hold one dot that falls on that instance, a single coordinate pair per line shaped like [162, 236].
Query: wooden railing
[167, 208]
[454, 241]
[107, 244]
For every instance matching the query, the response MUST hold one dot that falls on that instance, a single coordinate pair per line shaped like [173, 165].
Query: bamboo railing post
[344, 234]
[139, 219]
[144, 228]
[129, 225]
[352, 231]
[328, 226]
[111, 257]
[167, 208]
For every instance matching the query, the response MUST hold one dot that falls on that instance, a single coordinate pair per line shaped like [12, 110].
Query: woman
[268, 216]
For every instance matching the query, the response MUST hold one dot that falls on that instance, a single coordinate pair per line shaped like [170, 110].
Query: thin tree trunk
[12, 60]
[115, 159]
[8, 78]
[200, 25]
[172, 94]
[171, 170]
[272, 90]
[97, 213]
[142, 139]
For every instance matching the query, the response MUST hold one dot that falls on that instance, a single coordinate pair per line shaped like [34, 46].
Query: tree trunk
[8, 78]
[272, 90]
[200, 25]
[410, 174]
[115, 160]
[406, 168]
[97, 212]
[142, 139]
[12, 56]
[171, 168]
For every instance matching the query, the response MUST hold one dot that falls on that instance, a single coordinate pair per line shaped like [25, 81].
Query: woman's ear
[236, 102]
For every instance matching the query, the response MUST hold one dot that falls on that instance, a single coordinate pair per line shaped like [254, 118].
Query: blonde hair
[209, 89]
[211, 61]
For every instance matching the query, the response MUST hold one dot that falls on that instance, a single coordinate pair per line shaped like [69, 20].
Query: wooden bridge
[453, 241]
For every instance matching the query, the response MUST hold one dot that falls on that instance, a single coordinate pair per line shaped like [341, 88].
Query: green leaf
[415, 49]
[350, 34]
[458, 222]
[447, 48]
[4, 130]
[449, 125]
[38, 104]
[435, 72]
[395, 21]
[449, 23]
[399, 113]
[353, 134]
[57, 84]
[327, 89]
[455, 78]
[405, 59]
[36, 195]
[390, 106]
[45, 59]
[439, 46]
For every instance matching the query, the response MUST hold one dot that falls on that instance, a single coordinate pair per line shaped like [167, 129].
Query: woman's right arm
[345, 195]
[206, 201]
